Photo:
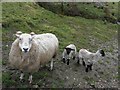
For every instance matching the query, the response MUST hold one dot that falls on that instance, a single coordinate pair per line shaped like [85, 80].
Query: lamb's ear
[18, 33]
[102, 52]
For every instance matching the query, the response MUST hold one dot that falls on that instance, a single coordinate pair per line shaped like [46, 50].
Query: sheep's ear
[18, 33]
[32, 34]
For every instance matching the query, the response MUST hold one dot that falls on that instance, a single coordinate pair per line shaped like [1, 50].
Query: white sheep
[68, 53]
[89, 58]
[30, 51]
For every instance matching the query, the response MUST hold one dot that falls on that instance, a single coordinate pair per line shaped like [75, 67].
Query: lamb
[30, 51]
[68, 53]
[89, 58]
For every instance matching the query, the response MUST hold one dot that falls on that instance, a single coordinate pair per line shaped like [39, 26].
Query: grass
[91, 11]
[67, 29]
[28, 17]
[6, 79]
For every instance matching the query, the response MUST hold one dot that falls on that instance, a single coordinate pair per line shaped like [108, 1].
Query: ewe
[30, 51]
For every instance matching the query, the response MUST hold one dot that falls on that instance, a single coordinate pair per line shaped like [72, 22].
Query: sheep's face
[68, 50]
[25, 42]
[102, 53]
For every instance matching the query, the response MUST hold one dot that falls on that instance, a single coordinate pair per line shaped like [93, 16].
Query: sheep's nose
[25, 49]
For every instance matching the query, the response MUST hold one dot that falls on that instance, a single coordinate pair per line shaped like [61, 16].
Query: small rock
[35, 86]
[74, 78]
[6, 45]
[66, 77]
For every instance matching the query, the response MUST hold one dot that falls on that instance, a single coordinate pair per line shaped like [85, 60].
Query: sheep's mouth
[25, 50]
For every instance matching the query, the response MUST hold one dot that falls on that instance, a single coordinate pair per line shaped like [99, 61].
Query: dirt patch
[103, 75]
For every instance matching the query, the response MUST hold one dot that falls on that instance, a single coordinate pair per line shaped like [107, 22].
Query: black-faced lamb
[88, 58]
[69, 53]
[30, 51]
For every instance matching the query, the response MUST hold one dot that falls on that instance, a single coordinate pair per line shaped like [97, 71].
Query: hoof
[86, 69]
[78, 62]
[68, 61]
[74, 58]
[83, 63]
[63, 60]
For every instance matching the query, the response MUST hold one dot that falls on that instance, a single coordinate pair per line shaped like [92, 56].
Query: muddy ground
[103, 75]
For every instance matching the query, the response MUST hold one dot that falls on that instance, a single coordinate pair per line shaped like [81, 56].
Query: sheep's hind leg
[87, 66]
[51, 65]
[78, 60]
[83, 62]
[90, 66]
[86, 69]
[30, 79]
[21, 76]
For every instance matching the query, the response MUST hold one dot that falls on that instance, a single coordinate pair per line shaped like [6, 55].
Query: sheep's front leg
[63, 59]
[90, 66]
[86, 69]
[83, 63]
[51, 65]
[78, 59]
[68, 60]
[21, 76]
[30, 79]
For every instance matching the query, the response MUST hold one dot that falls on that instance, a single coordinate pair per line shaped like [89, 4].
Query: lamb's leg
[90, 67]
[78, 61]
[30, 79]
[86, 69]
[83, 62]
[68, 60]
[63, 60]
[73, 57]
[21, 76]
[51, 65]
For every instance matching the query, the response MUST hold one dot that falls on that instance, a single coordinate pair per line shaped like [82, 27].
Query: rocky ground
[103, 75]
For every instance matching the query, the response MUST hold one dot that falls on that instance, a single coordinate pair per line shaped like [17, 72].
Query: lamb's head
[25, 41]
[68, 50]
[102, 52]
